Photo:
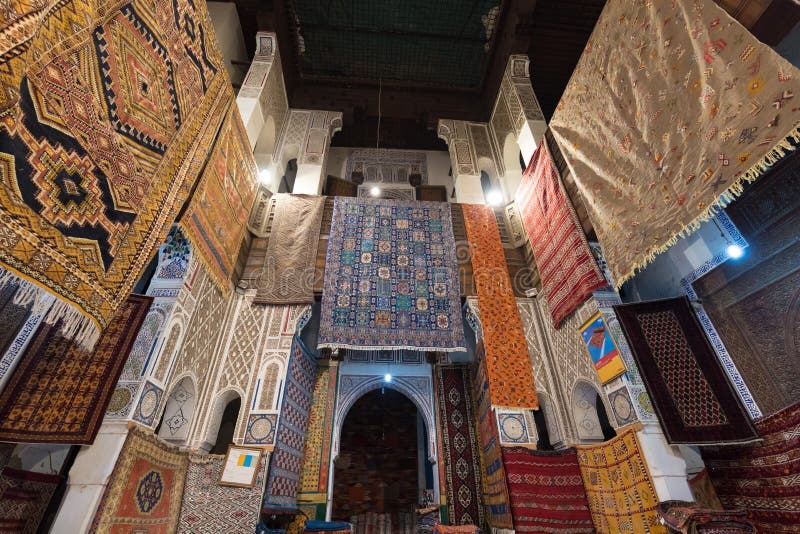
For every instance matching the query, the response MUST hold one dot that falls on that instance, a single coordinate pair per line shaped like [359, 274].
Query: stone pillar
[252, 95]
[88, 479]
[667, 465]
[307, 138]
[463, 161]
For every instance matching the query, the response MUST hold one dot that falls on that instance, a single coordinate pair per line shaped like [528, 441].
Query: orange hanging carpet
[508, 365]
[226, 192]
[568, 271]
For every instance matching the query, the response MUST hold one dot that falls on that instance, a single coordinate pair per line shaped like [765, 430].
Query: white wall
[230, 38]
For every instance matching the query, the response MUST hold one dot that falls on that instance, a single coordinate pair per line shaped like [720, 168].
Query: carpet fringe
[75, 325]
[784, 147]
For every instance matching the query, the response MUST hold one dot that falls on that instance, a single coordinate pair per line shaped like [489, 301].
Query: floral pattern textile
[391, 278]
[672, 106]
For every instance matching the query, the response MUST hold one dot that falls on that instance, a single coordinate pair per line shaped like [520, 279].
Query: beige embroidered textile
[672, 107]
[288, 273]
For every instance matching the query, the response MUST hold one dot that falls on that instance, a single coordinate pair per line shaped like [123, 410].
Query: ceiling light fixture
[264, 176]
[375, 191]
[734, 251]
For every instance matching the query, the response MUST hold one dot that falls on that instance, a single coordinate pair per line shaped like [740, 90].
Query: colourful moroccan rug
[313, 485]
[96, 167]
[546, 490]
[285, 465]
[689, 518]
[762, 479]
[671, 108]
[145, 489]
[208, 508]
[462, 462]
[508, 364]
[290, 265]
[59, 392]
[621, 494]
[496, 500]
[226, 192]
[689, 388]
[568, 271]
[24, 497]
[391, 277]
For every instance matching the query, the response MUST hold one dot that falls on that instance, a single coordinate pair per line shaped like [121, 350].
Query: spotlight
[387, 377]
[735, 251]
[494, 197]
[375, 191]
[264, 176]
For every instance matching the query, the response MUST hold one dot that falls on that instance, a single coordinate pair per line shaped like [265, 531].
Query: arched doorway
[589, 413]
[380, 464]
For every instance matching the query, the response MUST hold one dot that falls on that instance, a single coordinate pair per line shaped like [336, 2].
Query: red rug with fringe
[762, 479]
[547, 492]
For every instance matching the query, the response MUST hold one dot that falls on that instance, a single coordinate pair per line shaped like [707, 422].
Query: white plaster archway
[583, 403]
[551, 419]
[513, 175]
[179, 410]
[215, 419]
[418, 389]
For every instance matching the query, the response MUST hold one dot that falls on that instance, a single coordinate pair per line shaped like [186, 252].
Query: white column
[666, 463]
[88, 479]
[17, 348]
[307, 137]
[250, 98]
[463, 161]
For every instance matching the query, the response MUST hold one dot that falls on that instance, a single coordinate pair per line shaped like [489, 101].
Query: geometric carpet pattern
[106, 116]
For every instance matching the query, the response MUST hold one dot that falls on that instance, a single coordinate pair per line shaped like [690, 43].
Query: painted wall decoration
[602, 348]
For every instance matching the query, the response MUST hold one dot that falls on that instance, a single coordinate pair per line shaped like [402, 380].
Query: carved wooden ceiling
[441, 59]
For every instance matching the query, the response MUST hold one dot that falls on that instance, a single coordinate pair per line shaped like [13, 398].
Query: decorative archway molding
[419, 389]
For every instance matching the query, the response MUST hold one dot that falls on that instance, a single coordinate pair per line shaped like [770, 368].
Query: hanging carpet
[106, 114]
[763, 479]
[287, 276]
[145, 489]
[24, 497]
[546, 490]
[508, 365]
[671, 109]
[391, 277]
[568, 271]
[216, 218]
[60, 391]
[287, 458]
[210, 508]
[689, 388]
[496, 501]
[462, 462]
[621, 494]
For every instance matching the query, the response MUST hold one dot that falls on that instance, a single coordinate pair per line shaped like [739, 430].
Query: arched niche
[178, 411]
[419, 389]
[511, 160]
[586, 404]
[548, 411]
[223, 400]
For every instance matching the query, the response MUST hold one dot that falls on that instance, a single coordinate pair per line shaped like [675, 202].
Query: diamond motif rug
[391, 277]
[689, 389]
[462, 462]
[60, 391]
[24, 497]
[285, 465]
[145, 489]
[209, 508]
[619, 489]
[508, 364]
[568, 271]
[313, 485]
[763, 479]
[496, 501]
[290, 265]
[95, 168]
[226, 192]
[671, 108]
[546, 490]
